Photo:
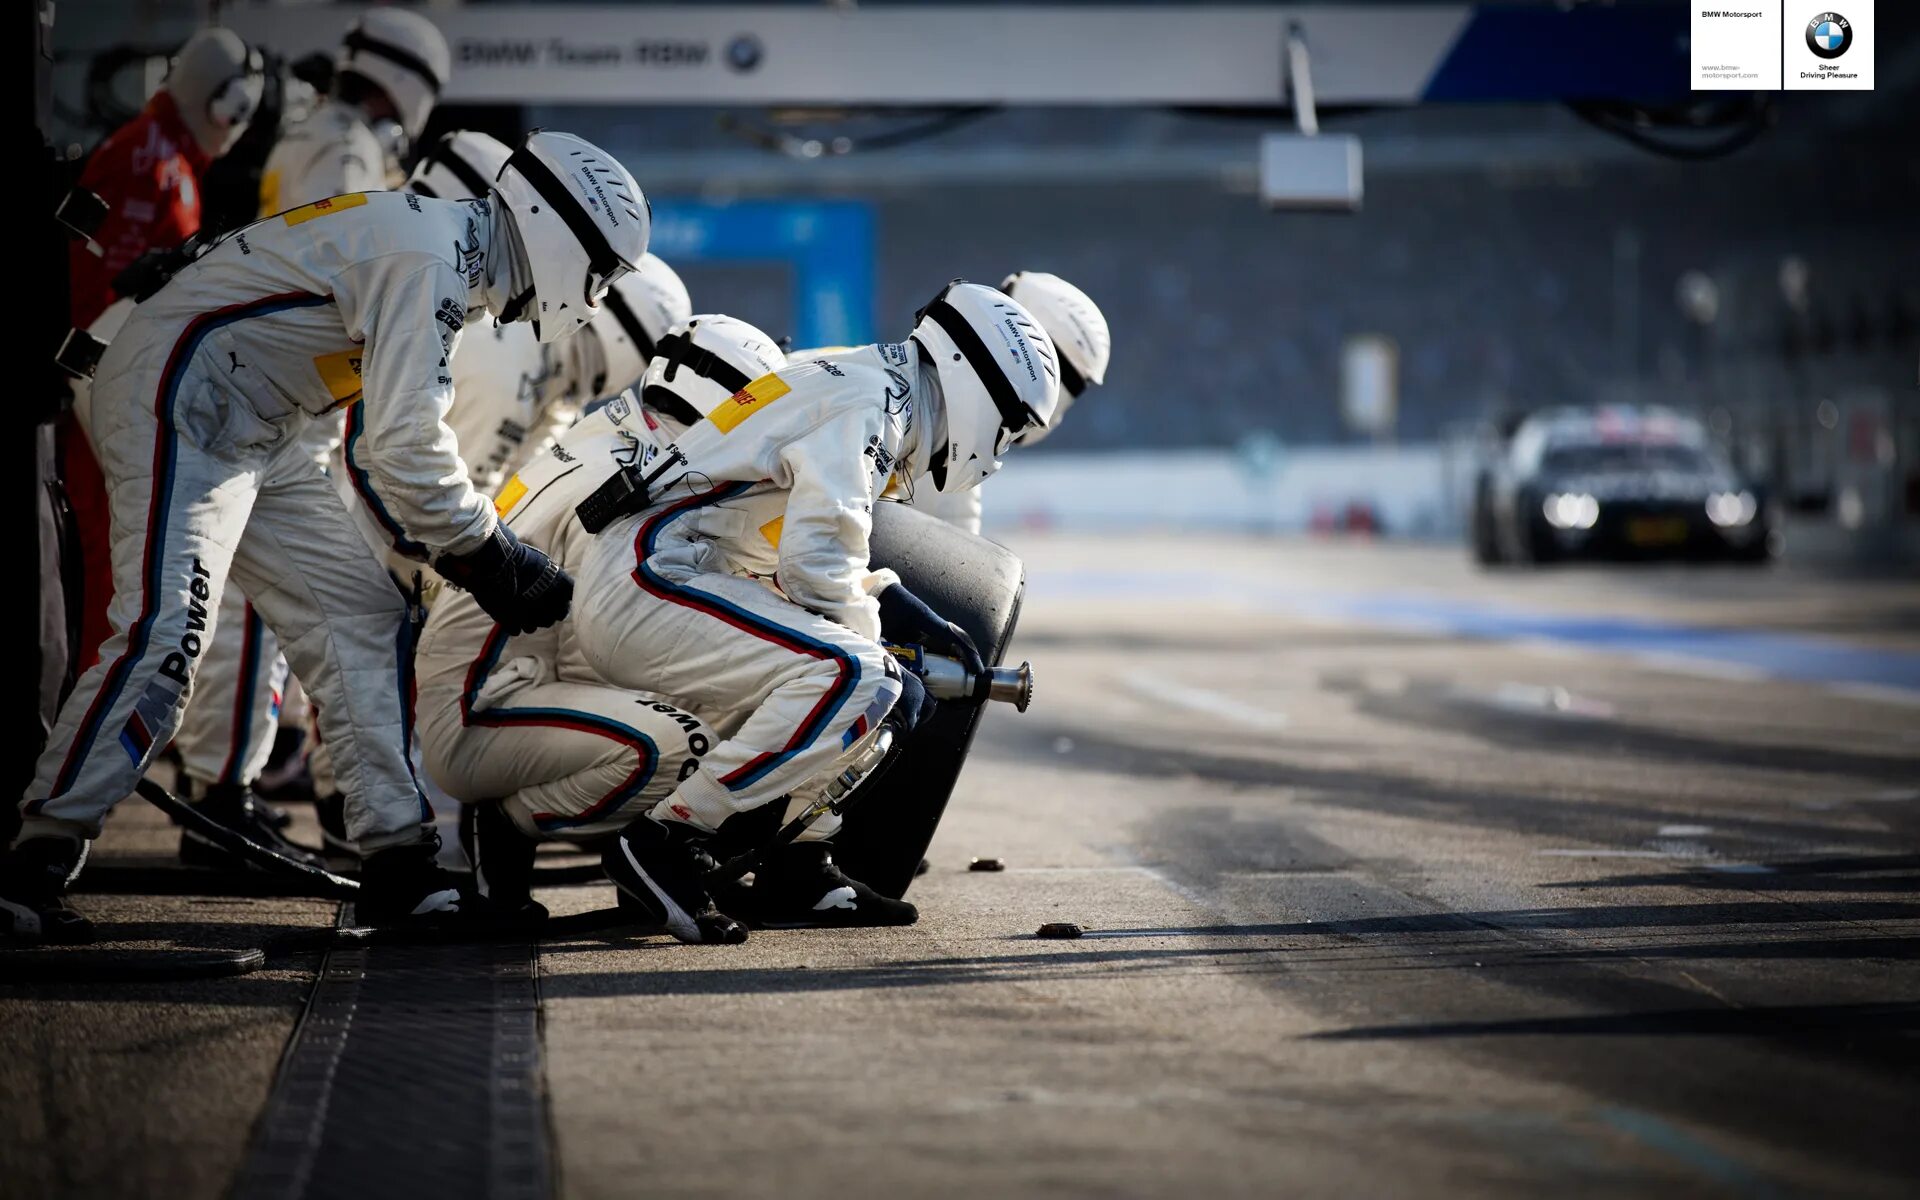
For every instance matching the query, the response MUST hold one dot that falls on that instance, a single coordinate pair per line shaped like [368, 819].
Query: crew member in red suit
[148, 172]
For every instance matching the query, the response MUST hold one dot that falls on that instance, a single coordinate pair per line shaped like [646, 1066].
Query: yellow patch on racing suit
[322, 208]
[340, 372]
[510, 493]
[747, 401]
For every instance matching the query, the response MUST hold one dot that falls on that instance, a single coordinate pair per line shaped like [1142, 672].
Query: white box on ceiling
[1319, 173]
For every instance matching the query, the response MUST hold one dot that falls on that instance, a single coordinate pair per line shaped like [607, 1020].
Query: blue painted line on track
[1676, 1143]
[1779, 655]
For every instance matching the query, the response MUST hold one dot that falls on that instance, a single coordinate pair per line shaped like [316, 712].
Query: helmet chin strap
[586, 371]
[924, 448]
[508, 276]
[516, 308]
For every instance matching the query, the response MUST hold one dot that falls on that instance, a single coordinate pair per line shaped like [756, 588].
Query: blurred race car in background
[1615, 482]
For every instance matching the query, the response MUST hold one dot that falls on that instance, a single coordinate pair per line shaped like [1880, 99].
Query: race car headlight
[1571, 510]
[1729, 510]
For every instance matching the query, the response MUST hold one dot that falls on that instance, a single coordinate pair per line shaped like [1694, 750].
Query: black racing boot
[662, 868]
[405, 885]
[233, 805]
[801, 887]
[502, 858]
[33, 893]
[332, 811]
[190, 791]
[286, 777]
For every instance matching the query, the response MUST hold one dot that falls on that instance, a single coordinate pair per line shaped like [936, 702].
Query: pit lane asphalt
[1373, 909]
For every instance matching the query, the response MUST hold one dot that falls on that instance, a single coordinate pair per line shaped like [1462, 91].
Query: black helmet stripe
[600, 255]
[421, 187]
[360, 43]
[1072, 382]
[680, 351]
[468, 174]
[629, 322]
[1015, 414]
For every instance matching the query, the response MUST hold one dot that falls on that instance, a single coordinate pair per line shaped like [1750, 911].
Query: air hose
[282, 876]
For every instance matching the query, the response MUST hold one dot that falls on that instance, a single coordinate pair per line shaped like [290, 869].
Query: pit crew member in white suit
[519, 726]
[198, 407]
[506, 383]
[515, 392]
[392, 66]
[390, 70]
[700, 597]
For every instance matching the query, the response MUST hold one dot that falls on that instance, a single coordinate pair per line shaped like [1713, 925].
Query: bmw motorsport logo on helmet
[1829, 35]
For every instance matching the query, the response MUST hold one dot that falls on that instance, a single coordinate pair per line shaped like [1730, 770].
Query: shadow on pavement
[1079, 956]
[1434, 705]
[1905, 949]
[937, 972]
[1791, 1020]
[1597, 917]
[1594, 818]
[1860, 873]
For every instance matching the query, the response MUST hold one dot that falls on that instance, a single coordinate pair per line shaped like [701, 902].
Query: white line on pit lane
[1610, 854]
[1699, 856]
[1705, 668]
[1079, 871]
[1658, 660]
[1201, 700]
[1883, 692]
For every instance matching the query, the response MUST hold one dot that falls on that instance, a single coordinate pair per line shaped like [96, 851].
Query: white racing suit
[227, 734]
[198, 410]
[523, 719]
[745, 593]
[513, 392]
[517, 395]
[330, 153]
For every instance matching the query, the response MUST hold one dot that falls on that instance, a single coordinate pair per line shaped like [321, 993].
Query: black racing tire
[1484, 537]
[1537, 547]
[977, 584]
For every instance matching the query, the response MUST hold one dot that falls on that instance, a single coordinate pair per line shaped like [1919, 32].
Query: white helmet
[583, 223]
[702, 363]
[404, 56]
[637, 311]
[461, 166]
[999, 377]
[216, 83]
[1072, 320]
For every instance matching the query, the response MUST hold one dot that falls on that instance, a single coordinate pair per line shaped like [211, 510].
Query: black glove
[906, 619]
[516, 584]
[913, 709]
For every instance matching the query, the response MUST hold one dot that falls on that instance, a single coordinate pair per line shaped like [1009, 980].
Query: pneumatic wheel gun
[946, 679]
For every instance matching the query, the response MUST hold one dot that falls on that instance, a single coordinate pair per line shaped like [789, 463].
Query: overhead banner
[725, 54]
[1014, 54]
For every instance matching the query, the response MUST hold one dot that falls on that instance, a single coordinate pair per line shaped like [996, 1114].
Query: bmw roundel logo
[744, 52]
[1829, 35]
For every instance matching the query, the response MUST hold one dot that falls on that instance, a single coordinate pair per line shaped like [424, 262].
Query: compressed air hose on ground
[282, 877]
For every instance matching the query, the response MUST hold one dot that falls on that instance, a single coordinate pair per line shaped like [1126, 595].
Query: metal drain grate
[414, 1072]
